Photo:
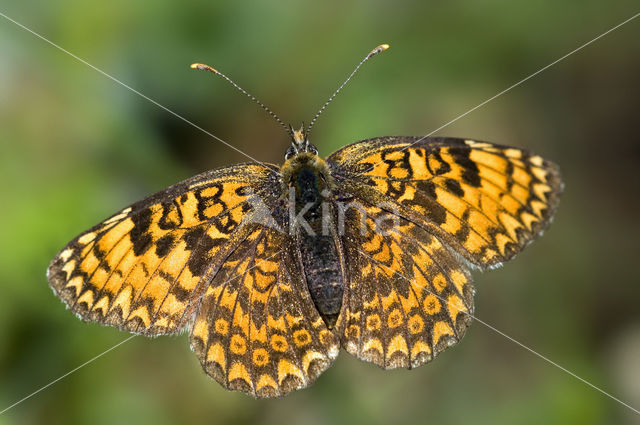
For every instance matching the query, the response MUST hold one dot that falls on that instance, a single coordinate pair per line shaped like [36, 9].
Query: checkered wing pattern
[484, 201]
[420, 213]
[143, 269]
[257, 330]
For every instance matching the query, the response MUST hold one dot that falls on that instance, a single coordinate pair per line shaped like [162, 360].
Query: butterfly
[273, 269]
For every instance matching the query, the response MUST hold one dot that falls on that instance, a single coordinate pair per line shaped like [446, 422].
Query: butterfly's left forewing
[485, 201]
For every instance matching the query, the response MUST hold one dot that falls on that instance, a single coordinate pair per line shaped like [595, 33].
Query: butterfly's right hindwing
[257, 329]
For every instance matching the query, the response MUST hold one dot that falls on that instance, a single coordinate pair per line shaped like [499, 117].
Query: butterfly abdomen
[322, 272]
[312, 223]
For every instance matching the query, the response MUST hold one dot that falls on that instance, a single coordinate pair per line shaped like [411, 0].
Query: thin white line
[511, 87]
[510, 338]
[68, 373]
[555, 364]
[130, 88]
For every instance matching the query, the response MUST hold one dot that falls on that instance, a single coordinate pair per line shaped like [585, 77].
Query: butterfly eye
[290, 152]
[312, 149]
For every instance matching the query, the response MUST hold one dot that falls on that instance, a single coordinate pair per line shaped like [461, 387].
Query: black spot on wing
[454, 187]
[171, 216]
[436, 212]
[471, 174]
[180, 293]
[443, 166]
[164, 245]
[101, 254]
[428, 187]
[200, 244]
[139, 237]
[427, 198]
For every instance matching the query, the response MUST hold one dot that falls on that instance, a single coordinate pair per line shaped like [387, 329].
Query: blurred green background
[76, 147]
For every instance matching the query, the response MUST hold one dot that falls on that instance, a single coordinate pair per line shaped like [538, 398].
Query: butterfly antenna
[379, 49]
[204, 67]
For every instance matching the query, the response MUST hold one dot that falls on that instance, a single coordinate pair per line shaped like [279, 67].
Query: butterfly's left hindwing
[142, 269]
[408, 298]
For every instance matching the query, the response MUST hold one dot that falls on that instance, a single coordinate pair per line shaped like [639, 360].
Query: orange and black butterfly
[273, 269]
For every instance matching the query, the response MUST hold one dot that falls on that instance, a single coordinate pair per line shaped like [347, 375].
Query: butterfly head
[299, 143]
[302, 162]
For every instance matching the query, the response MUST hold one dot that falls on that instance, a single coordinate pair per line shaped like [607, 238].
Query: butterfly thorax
[309, 189]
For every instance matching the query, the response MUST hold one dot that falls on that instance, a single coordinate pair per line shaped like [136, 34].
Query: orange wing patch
[140, 270]
[257, 330]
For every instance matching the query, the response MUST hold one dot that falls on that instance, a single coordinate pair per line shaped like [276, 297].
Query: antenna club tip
[203, 67]
[379, 49]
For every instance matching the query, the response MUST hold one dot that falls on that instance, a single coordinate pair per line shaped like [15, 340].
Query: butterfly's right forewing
[142, 269]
